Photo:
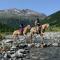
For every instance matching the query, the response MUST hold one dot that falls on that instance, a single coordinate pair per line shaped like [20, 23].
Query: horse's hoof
[43, 45]
[33, 45]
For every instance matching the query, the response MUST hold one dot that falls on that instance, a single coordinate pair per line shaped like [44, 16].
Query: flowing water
[49, 53]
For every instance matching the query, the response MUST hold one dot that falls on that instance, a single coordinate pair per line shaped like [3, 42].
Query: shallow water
[49, 53]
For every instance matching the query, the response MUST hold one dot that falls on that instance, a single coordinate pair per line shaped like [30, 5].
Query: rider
[37, 22]
[21, 28]
[40, 30]
[39, 26]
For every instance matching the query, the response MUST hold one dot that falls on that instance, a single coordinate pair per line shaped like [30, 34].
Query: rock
[8, 41]
[12, 52]
[13, 55]
[7, 55]
[22, 46]
[19, 55]
[55, 44]
[33, 45]
[37, 45]
[49, 44]
[20, 51]
[29, 46]
[43, 45]
[27, 51]
[59, 44]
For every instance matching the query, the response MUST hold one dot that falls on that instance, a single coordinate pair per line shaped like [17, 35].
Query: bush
[1, 37]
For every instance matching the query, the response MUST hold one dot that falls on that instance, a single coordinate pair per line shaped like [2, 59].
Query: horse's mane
[46, 24]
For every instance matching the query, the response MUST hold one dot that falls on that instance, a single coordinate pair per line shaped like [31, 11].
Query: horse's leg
[25, 35]
[42, 41]
[43, 34]
[31, 34]
[13, 36]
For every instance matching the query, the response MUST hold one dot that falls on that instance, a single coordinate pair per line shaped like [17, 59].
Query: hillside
[5, 28]
[10, 19]
[13, 17]
[54, 21]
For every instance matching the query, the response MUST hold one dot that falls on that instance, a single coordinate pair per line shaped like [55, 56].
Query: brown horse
[43, 28]
[16, 33]
[39, 29]
[27, 29]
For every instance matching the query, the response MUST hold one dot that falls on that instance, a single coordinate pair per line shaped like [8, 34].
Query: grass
[50, 29]
[53, 29]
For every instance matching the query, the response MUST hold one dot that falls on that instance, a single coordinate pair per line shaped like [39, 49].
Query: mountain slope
[23, 12]
[53, 20]
[5, 28]
[12, 18]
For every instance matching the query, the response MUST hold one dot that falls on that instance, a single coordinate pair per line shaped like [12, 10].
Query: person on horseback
[38, 26]
[37, 22]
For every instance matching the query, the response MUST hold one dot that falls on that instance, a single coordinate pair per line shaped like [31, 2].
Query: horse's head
[46, 25]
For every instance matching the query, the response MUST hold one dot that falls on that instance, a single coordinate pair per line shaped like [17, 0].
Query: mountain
[10, 19]
[23, 12]
[53, 20]
[14, 17]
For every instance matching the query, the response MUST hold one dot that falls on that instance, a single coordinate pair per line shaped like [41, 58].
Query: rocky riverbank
[19, 50]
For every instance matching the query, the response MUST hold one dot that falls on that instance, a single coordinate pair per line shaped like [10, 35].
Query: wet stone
[36, 53]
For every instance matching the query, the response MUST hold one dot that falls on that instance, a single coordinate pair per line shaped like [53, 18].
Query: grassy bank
[53, 29]
[50, 29]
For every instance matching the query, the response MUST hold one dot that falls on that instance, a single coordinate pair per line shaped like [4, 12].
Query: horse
[27, 29]
[16, 33]
[39, 30]
[43, 28]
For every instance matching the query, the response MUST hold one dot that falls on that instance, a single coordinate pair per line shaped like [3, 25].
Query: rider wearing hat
[39, 25]
[37, 22]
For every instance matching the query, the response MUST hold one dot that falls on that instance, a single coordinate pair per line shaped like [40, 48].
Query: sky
[42, 6]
